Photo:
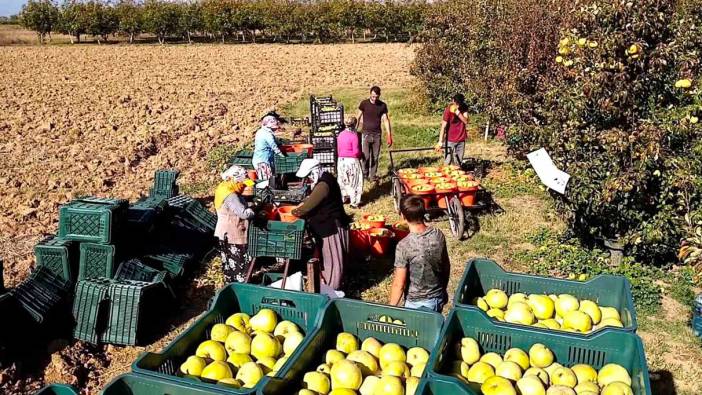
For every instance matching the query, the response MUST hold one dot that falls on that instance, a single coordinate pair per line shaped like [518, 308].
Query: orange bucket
[360, 242]
[400, 229]
[441, 191]
[377, 222]
[449, 168]
[271, 212]
[252, 174]
[467, 192]
[428, 169]
[433, 174]
[425, 191]
[410, 176]
[303, 148]
[286, 214]
[406, 171]
[287, 148]
[439, 180]
[380, 241]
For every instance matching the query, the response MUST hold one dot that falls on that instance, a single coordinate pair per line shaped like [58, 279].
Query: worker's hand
[438, 147]
[457, 112]
[389, 141]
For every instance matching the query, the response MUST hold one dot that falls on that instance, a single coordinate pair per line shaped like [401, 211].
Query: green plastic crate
[165, 184]
[277, 239]
[437, 386]
[90, 219]
[179, 201]
[174, 263]
[90, 309]
[42, 293]
[134, 384]
[623, 348]
[136, 270]
[96, 260]
[130, 311]
[290, 163]
[421, 328]
[304, 309]
[481, 275]
[198, 217]
[242, 158]
[57, 255]
[58, 389]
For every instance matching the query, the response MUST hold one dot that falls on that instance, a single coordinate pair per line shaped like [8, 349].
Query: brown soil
[100, 120]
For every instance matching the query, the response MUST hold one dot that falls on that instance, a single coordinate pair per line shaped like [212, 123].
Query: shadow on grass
[662, 382]
[362, 275]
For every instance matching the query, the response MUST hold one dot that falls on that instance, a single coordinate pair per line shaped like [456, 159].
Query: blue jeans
[433, 304]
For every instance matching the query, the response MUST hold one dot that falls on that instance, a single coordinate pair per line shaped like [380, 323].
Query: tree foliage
[41, 16]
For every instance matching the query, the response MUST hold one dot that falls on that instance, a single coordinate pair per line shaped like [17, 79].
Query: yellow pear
[396, 368]
[613, 372]
[566, 303]
[279, 363]
[285, 327]
[538, 372]
[346, 374]
[346, 342]
[265, 320]
[267, 364]
[220, 332]
[334, 356]
[265, 345]
[584, 373]
[497, 385]
[193, 365]
[391, 352]
[520, 313]
[459, 368]
[560, 390]
[496, 314]
[509, 370]
[617, 388]
[610, 312]
[240, 322]
[481, 303]
[368, 386]
[611, 322]
[366, 362]
[238, 342]
[216, 371]
[496, 299]
[306, 392]
[531, 385]
[372, 345]
[564, 376]
[318, 382]
[212, 350]
[342, 391]
[577, 320]
[249, 374]
[491, 358]
[417, 355]
[291, 342]
[389, 385]
[518, 356]
[542, 306]
[417, 370]
[324, 368]
[551, 324]
[411, 385]
[470, 350]
[552, 369]
[479, 372]
[592, 309]
[230, 382]
[517, 297]
[237, 360]
[587, 386]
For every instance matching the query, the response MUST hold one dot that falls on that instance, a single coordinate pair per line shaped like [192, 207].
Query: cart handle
[419, 149]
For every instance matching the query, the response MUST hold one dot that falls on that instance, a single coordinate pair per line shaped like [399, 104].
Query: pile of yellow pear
[244, 349]
[367, 368]
[559, 312]
[535, 373]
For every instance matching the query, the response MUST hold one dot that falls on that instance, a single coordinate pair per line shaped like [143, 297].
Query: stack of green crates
[165, 184]
[290, 163]
[58, 255]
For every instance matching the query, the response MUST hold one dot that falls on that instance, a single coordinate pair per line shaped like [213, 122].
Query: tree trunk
[353, 37]
[131, 38]
[78, 38]
[49, 37]
[364, 35]
[161, 39]
[190, 41]
[253, 36]
[40, 37]
[222, 38]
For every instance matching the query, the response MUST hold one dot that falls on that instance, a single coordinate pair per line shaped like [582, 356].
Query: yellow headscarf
[224, 189]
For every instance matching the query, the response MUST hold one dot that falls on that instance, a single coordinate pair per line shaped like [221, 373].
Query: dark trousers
[370, 145]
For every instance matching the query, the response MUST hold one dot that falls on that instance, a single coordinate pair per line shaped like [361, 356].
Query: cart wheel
[456, 216]
[471, 221]
[396, 193]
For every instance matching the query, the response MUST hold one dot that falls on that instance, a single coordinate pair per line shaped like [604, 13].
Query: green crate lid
[58, 389]
[481, 275]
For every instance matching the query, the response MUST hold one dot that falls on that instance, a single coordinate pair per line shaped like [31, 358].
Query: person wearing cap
[328, 223]
[233, 216]
[452, 135]
[266, 148]
[349, 164]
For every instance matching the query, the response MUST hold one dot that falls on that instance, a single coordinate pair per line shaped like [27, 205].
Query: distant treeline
[242, 20]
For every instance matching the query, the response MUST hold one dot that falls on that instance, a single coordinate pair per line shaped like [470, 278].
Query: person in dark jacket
[328, 223]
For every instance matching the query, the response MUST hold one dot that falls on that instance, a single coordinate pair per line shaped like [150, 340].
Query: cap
[306, 167]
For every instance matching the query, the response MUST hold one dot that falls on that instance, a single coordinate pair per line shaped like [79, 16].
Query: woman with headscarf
[328, 223]
[233, 217]
[265, 149]
[349, 165]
